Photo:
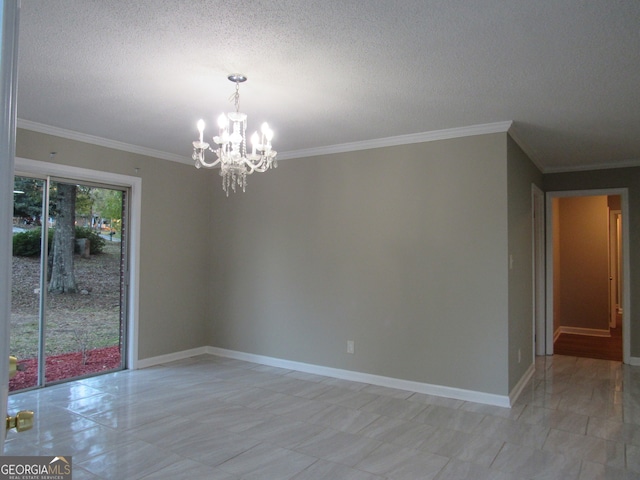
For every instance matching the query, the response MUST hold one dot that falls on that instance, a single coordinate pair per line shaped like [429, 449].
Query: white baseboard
[590, 332]
[171, 357]
[436, 390]
[429, 389]
[517, 390]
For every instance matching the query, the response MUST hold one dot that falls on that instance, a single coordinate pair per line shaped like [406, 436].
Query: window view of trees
[63, 279]
[83, 309]
[27, 201]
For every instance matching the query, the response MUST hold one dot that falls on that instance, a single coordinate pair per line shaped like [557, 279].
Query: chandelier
[231, 146]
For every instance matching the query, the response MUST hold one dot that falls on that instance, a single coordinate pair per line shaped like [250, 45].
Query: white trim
[459, 132]
[614, 260]
[626, 279]
[517, 390]
[538, 267]
[172, 357]
[9, 34]
[103, 142]
[530, 152]
[626, 262]
[408, 385]
[635, 361]
[483, 129]
[35, 167]
[445, 134]
[589, 332]
[426, 388]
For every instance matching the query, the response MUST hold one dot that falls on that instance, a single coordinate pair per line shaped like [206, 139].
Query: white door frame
[9, 13]
[34, 167]
[614, 259]
[538, 269]
[626, 264]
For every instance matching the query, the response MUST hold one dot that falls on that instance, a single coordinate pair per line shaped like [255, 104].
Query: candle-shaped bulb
[222, 121]
[254, 141]
[201, 128]
[267, 132]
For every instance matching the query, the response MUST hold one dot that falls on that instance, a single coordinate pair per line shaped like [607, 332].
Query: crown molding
[449, 133]
[103, 142]
[533, 156]
[529, 152]
[483, 129]
[597, 166]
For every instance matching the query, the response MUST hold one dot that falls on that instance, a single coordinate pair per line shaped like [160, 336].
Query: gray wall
[613, 178]
[522, 173]
[402, 249]
[176, 209]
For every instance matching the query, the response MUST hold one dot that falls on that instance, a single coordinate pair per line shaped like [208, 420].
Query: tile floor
[215, 418]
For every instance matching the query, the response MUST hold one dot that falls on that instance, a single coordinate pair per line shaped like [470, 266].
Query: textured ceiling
[324, 73]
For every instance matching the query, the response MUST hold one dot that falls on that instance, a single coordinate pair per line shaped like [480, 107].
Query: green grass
[74, 322]
[70, 336]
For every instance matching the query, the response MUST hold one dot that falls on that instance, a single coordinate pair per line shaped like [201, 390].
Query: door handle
[13, 366]
[22, 422]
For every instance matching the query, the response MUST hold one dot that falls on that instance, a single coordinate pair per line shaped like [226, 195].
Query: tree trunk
[63, 279]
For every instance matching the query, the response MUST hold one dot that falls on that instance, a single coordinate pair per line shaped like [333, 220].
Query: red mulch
[67, 365]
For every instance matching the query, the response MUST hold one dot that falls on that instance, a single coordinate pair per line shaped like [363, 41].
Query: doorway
[69, 297]
[587, 269]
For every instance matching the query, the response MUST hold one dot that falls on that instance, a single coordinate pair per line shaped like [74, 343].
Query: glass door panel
[83, 307]
[28, 198]
[68, 311]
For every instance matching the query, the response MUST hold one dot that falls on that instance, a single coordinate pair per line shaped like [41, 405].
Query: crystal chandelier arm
[200, 147]
[251, 167]
[261, 165]
[204, 163]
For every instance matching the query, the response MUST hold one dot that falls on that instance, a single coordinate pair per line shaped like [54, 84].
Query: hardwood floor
[605, 348]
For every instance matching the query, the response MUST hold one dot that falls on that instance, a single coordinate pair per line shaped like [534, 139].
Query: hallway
[604, 348]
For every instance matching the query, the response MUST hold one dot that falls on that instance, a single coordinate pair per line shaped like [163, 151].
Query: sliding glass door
[68, 308]
[29, 197]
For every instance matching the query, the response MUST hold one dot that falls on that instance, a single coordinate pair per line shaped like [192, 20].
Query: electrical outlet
[351, 346]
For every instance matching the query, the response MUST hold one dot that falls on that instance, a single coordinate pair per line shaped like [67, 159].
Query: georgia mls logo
[60, 465]
[35, 468]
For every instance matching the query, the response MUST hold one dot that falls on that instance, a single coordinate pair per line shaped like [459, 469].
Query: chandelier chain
[235, 97]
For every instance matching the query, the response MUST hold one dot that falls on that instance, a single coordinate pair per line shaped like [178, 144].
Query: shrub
[27, 244]
[96, 241]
